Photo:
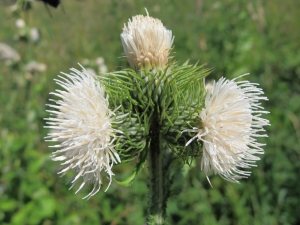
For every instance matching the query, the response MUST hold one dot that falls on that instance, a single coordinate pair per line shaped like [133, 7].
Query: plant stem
[158, 180]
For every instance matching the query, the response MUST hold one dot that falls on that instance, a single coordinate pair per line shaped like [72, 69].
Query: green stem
[158, 180]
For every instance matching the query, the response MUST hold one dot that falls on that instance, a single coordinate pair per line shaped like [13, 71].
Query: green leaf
[8, 205]
[140, 164]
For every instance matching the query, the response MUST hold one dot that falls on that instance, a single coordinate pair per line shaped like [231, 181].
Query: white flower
[34, 34]
[102, 68]
[20, 23]
[146, 42]
[8, 53]
[208, 86]
[34, 66]
[231, 121]
[82, 124]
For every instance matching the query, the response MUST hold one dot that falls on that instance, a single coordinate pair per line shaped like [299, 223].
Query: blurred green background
[233, 37]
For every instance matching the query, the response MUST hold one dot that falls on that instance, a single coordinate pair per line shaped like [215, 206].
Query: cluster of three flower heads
[82, 122]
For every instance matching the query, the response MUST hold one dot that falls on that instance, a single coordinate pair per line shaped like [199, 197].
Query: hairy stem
[158, 180]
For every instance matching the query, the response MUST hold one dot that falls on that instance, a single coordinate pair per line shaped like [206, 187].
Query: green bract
[163, 103]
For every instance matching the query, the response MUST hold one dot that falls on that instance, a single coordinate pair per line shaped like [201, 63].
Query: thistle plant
[158, 113]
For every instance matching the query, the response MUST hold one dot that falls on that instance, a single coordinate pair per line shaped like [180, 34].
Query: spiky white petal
[231, 121]
[146, 42]
[81, 122]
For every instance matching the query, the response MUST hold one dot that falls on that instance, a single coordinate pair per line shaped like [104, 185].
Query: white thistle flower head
[231, 121]
[82, 124]
[147, 43]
